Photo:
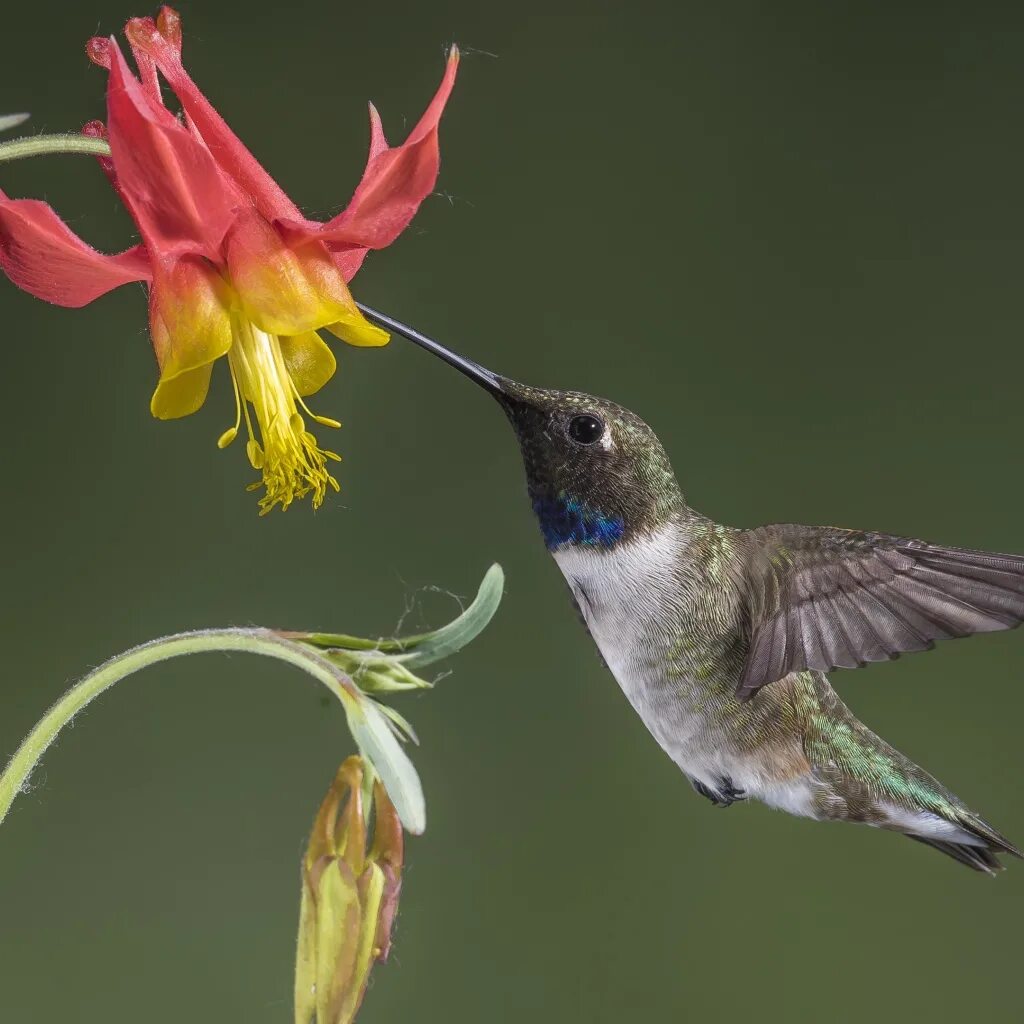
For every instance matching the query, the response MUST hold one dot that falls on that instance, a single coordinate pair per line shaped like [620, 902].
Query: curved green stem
[42, 145]
[369, 727]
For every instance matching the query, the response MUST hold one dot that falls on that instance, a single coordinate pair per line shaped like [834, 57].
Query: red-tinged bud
[97, 50]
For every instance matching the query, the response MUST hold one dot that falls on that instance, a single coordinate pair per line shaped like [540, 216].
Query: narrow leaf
[448, 639]
[404, 728]
[426, 648]
[378, 744]
[12, 121]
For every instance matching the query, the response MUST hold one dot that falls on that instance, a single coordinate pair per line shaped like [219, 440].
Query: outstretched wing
[823, 598]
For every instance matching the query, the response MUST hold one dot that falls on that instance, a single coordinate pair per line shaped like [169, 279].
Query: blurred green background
[788, 235]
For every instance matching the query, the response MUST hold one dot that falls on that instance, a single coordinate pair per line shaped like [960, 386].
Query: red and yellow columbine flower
[232, 266]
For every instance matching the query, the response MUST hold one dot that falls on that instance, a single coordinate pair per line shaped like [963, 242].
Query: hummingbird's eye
[585, 429]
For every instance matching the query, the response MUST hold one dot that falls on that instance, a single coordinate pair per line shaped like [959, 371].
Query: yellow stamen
[227, 437]
[292, 462]
[232, 432]
[324, 421]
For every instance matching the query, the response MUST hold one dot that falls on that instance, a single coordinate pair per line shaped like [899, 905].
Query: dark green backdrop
[790, 236]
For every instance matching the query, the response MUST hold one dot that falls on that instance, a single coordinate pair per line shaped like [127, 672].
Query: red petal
[432, 115]
[348, 259]
[170, 182]
[148, 75]
[227, 148]
[41, 254]
[97, 50]
[396, 180]
[168, 25]
[378, 143]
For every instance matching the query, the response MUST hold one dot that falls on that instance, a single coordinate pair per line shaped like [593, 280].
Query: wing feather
[823, 598]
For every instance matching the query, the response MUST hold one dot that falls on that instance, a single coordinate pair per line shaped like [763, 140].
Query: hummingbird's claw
[725, 795]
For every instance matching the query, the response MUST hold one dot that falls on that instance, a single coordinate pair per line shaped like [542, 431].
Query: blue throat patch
[565, 520]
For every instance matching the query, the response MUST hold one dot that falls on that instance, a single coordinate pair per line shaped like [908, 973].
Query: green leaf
[12, 121]
[404, 728]
[426, 648]
[436, 646]
[377, 743]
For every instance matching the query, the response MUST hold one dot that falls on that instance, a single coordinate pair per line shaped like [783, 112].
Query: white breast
[619, 588]
[631, 598]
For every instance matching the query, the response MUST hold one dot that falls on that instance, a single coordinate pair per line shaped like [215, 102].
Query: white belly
[630, 597]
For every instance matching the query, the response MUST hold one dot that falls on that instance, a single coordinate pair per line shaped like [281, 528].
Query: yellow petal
[357, 330]
[181, 395]
[309, 360]
[285, 289]
[189, 319]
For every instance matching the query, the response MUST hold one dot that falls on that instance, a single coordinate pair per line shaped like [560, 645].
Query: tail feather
[978, 858]
[875, 781]
[994, 840]
[979, 855]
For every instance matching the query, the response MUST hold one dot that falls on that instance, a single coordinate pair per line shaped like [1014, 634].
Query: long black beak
[485, 378]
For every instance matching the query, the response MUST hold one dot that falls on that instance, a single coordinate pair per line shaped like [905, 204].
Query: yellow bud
[349, 899]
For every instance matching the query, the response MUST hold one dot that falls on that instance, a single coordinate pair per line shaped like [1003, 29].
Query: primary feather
[823, 598]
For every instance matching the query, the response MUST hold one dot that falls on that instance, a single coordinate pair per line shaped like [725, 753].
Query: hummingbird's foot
[725, 795]
[728, 794]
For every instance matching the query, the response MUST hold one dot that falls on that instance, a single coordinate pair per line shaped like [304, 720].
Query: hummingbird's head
[596, 473]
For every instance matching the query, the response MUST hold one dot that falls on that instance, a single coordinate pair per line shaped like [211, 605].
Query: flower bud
[349, 898]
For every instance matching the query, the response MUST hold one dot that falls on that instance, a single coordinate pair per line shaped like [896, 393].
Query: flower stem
[372, 735]
[41, 145]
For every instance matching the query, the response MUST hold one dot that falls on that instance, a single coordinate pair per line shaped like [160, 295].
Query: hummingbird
[721, 638]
